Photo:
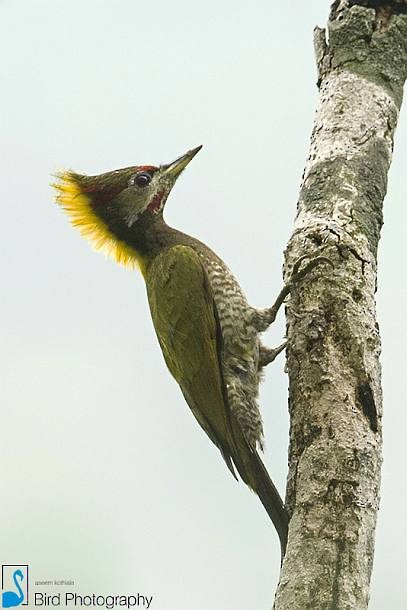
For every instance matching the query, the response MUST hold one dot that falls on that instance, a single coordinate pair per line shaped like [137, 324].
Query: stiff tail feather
[254, 474]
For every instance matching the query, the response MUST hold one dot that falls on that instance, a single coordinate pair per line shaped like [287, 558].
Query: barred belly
[240, 348]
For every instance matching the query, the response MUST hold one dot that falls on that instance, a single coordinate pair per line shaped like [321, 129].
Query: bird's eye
[143, 179]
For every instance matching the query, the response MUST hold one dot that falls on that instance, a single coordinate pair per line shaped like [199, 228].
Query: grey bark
[335, 397]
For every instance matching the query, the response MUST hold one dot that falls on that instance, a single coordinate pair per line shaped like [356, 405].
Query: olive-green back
[184, 318]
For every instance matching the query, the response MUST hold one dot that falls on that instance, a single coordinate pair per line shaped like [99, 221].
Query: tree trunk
[335, 397]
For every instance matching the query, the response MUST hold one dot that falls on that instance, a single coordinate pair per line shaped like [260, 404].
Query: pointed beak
[175, 168]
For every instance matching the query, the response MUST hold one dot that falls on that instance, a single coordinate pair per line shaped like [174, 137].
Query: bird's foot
[298, 275]
[268, 354]
[269, 315]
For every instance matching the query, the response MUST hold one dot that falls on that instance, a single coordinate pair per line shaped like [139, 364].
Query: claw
[268, 355]
[298, 275]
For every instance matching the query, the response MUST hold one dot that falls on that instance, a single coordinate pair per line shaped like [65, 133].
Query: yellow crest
[78, 207]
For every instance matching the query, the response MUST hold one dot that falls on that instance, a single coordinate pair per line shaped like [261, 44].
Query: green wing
[184, 318]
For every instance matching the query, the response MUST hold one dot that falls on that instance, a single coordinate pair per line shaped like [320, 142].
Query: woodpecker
[208, 333]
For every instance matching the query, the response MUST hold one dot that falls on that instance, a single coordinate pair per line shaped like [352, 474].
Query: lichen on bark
[335, 397]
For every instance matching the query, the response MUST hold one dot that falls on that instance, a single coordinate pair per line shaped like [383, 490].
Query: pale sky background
[106, 478]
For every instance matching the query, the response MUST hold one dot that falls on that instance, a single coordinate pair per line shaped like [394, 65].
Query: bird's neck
[150, 236]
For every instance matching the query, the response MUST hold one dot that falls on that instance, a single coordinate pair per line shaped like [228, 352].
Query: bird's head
[106, 208]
